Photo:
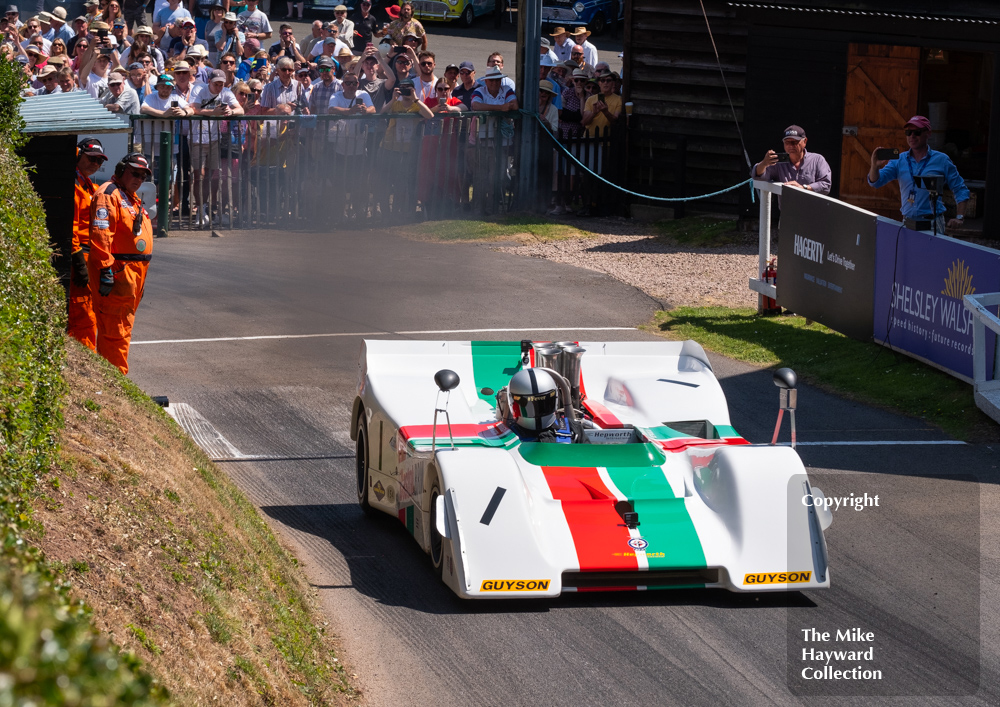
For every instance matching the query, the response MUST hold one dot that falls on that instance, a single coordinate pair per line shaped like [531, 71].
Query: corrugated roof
[862, 13]
[68, 114]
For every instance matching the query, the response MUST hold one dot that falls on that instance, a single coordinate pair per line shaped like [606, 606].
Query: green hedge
[50, 654]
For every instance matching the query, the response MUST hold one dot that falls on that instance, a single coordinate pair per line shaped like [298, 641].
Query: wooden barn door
[881, 95]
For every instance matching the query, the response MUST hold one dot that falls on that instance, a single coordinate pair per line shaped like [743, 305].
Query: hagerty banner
[826, 261]
[920, 280]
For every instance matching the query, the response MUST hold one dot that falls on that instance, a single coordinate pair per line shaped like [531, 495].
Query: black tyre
[437, 542]
[362, 451]
[598, 24]
[468, 16]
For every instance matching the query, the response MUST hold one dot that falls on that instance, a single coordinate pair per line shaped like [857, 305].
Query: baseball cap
[330, 40]
[793, 132]
[119, 22]
[115, 78]
[466, 65]
[252, 42]
[135, 65]
[451, 66]
[137, 161]
[340, 8]
[918, 121]
[410, 35]
[302, 70]
[187, 22]
[406, 82]
[93, 147]
[325, 61]
[229, 17]
[217, 75]
[165, 79]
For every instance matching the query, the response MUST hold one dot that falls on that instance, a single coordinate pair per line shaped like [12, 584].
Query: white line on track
[380, 333]
[873, 443]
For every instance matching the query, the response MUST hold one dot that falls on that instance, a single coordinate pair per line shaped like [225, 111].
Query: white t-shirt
[97, 85]
[255, 21]
[318, 49]
[425, 89]
[151, 129]
[201, 98]
[349, 135]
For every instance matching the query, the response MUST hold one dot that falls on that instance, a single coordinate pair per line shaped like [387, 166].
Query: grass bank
[177, 566]
[515, 227]
[861, 371]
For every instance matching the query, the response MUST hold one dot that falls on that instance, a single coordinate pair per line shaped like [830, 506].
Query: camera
[886, 153]
[405, 90]
[783, 157]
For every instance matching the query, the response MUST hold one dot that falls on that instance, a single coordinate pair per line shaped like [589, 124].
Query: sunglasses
[289, 71]
[137, 173]
[465, 72]
[243, 94]
[229, 61]
[427, 63]
[605, 80]
[442, 89]
[917, 132]
[350, 83]
[256, 91]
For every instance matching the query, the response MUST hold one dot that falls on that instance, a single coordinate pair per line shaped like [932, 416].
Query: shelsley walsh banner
[920, 280]
[826, 261]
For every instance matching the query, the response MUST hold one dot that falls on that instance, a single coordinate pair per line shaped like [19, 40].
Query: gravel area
[671, 274]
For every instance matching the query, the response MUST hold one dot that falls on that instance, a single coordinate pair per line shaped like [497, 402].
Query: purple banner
[924, 314]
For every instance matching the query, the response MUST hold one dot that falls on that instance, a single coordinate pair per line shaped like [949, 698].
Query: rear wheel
[598, 24]
[468, 16]
[361, 463]
[437, 542]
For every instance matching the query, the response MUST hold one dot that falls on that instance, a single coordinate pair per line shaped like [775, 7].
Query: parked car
[465, 11]
[595, 14]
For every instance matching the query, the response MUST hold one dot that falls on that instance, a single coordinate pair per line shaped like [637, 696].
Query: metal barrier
[573, 188]
[984, 324]
[330, 171]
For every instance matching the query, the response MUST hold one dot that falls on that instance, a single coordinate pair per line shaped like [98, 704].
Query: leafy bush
[49, 651]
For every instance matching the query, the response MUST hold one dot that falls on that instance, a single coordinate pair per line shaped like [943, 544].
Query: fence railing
[261, 171]
[361, 171]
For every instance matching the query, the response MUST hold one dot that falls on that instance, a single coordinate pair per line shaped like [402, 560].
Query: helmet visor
[533, 404]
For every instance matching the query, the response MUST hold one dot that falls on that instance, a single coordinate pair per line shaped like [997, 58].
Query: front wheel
[361, 463]
[468, 16]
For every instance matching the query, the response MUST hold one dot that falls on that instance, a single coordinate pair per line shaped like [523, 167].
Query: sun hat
[546, 85]
[229, 17]
[115, 78]
[494, 73]
[579, 31]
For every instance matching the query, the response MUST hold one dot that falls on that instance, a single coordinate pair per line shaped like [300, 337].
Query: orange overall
[81, 324]
[116, 243]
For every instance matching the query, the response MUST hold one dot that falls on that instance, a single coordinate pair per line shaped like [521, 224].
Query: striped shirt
[276, 93]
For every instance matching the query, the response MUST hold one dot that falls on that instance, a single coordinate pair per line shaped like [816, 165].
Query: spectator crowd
[224, 59]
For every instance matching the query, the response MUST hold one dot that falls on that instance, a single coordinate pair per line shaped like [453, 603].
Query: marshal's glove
[107, 282]
[81, 278]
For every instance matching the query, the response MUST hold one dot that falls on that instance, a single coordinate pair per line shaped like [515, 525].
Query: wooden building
[851, 72]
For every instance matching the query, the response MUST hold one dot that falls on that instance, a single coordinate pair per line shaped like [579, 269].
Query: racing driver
[533, 403]
[81, 324]
[121, 245]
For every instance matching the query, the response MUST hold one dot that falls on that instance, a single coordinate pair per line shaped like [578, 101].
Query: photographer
[286, 46]
[96, 63]
[918, 212]
[228, 39]
[795, 167]
[188, 39]
[284, 96]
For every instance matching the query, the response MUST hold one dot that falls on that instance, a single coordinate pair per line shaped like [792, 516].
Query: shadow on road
[386, 564]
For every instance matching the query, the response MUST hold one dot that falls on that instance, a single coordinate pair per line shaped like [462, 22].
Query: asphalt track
[920, 570]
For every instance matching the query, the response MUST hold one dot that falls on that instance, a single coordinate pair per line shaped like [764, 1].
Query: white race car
[660, 493]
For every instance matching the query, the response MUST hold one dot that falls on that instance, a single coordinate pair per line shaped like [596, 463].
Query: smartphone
[173, 104]
[887, 153]
[102, 33]
[783, 157]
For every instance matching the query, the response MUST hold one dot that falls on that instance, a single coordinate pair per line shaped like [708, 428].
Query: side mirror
[446, 380]
[786, 378]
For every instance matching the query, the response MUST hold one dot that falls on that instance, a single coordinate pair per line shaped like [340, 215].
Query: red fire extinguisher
[770, 276]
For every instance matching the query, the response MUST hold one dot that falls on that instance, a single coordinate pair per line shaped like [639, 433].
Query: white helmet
[531, 396]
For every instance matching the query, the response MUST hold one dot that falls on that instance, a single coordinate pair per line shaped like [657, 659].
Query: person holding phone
[795, 167]
[919, 160]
